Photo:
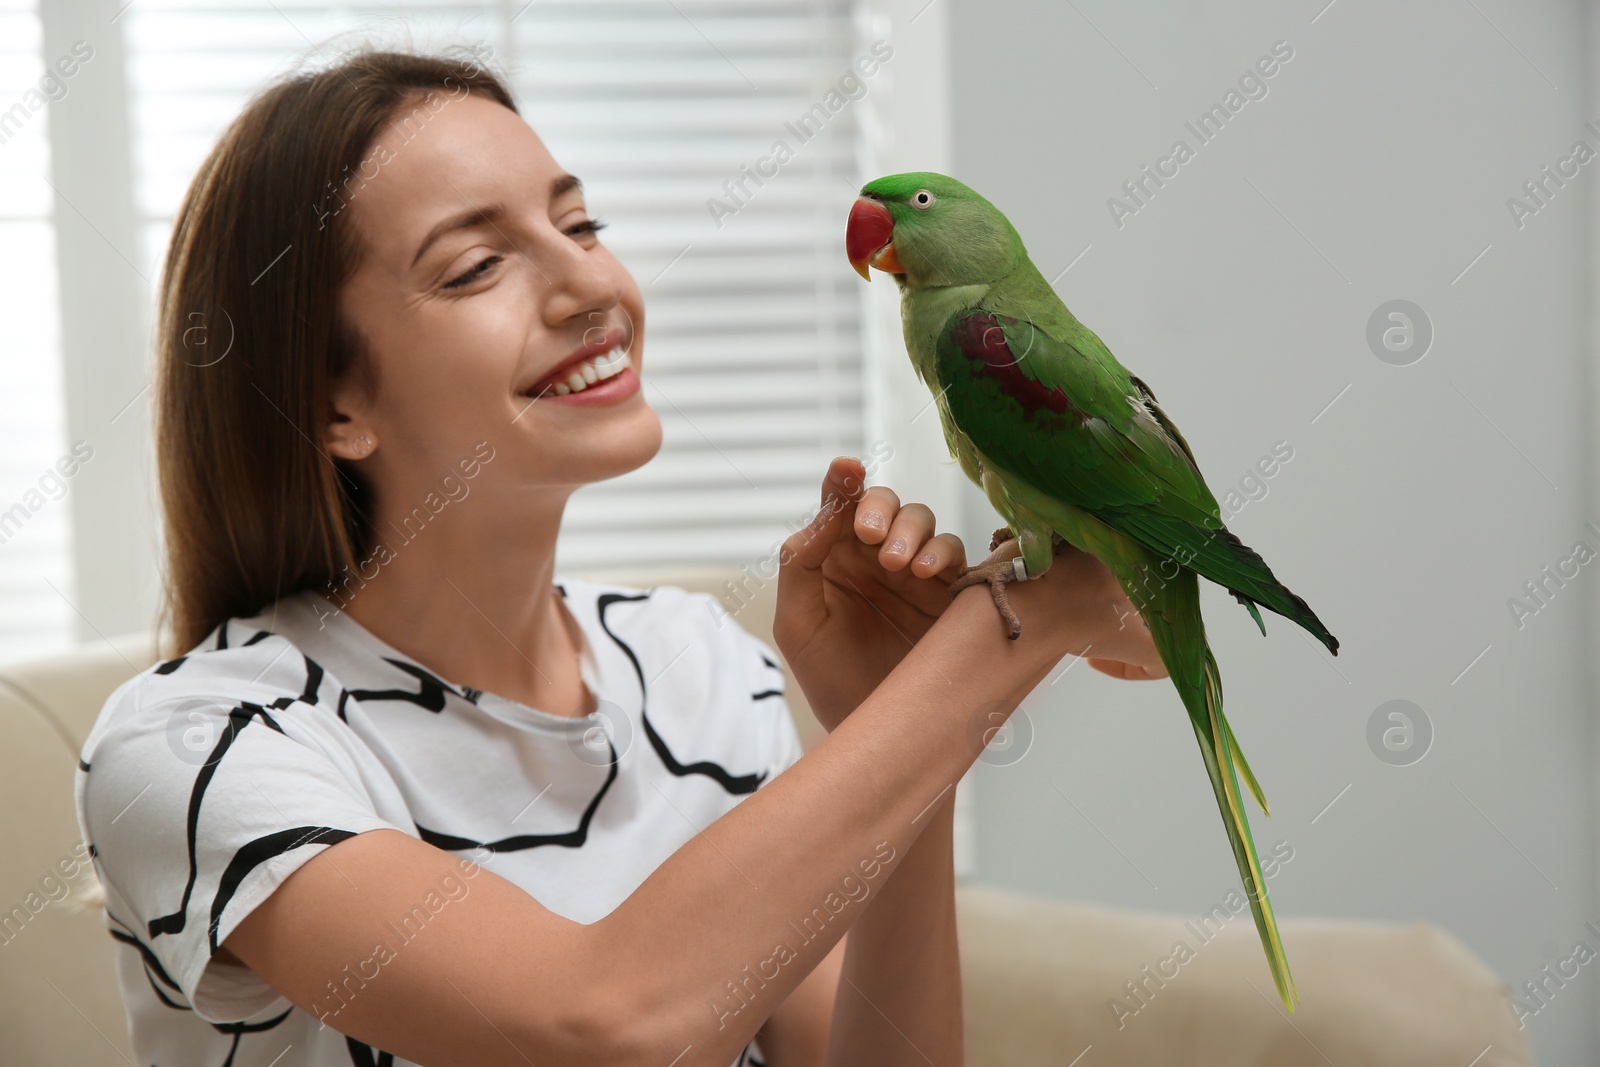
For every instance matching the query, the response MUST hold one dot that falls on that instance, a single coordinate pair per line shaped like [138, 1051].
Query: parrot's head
[929, 230]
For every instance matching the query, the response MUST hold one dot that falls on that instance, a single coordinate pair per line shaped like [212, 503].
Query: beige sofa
[1039, 974]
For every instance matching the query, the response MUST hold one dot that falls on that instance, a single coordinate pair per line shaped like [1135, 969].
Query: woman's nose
[580, 282]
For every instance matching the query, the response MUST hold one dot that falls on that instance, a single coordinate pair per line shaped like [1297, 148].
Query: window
[36, 579]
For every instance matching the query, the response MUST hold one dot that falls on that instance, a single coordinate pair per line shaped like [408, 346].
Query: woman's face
[485, 297]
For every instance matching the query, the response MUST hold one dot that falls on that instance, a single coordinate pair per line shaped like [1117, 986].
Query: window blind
[35, 516]
[754, 319]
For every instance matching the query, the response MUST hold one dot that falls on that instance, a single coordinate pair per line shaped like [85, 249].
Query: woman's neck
[469, 593]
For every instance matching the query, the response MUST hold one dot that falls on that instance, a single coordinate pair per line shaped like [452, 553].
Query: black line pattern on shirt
[429, 694]
[152, 963]
[766, 694]
[569, 839]
[314, 676]
[168, 1001]
[259, 851]
[238, 1030]
[221, 643]
[238, 718]
[737, 785]
[253, 1028]
[362, 1055]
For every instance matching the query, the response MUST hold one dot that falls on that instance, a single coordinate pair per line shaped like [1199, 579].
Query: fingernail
[897, 546]
[927, 559]
[872, 520]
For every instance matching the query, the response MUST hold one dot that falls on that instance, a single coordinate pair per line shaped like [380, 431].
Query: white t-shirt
[208, 779]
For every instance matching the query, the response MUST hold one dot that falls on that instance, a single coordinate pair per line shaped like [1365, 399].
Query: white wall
[1377, 167]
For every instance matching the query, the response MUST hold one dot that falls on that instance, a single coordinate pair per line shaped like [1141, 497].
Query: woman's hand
[868, 577]
[858, 588]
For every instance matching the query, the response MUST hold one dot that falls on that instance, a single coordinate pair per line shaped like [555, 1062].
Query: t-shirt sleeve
[200, 793]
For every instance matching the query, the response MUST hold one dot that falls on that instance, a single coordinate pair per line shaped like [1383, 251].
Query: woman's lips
[594, 351]
[600, 372]
[616, 388]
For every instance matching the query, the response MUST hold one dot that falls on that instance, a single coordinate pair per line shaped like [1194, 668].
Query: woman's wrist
[973, 621]
[973, 625]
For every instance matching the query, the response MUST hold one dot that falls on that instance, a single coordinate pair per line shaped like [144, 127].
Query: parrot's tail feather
[1179, 634]
[1255, 612]
[1243, 767]
[1224, 757]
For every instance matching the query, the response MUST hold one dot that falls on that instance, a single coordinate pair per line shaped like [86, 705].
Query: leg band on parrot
[1020, 569]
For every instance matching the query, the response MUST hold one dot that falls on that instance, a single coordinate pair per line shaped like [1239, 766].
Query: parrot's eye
[923, 199]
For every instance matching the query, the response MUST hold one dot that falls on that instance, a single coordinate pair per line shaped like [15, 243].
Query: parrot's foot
[997, 573]
[1000, 537]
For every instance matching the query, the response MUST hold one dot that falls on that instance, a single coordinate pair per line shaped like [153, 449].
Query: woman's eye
[585, 227]
[475, 271]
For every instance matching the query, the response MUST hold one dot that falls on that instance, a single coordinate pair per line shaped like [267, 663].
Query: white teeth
[610, 364]
[592, 370]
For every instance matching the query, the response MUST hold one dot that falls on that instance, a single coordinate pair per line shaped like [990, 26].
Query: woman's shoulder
[244, 665]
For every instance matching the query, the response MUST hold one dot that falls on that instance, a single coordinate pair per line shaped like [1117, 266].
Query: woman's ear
[348, 433]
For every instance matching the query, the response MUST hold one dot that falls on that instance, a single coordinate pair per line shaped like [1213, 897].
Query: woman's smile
[599, 372]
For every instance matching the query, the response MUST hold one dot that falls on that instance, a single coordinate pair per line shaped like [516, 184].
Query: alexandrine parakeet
[1069, 446]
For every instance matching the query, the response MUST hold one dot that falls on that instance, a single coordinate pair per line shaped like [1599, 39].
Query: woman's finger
[1131, 672]
[944, 554]
[910, 528]
[846, 476]
[875, 511]
[800, 583]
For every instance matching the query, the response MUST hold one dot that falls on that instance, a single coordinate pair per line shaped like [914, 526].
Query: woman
[409, 791]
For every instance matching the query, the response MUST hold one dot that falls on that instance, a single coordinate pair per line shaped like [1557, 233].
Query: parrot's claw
[996, 573]
[1000, 537]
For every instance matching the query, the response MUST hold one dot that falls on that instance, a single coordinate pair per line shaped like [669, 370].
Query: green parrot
[1071, 448]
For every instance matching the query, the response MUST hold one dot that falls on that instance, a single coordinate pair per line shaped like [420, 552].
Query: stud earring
[363, 445]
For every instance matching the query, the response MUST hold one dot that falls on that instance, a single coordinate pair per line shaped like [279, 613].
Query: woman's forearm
[792, 867]
[899, 999]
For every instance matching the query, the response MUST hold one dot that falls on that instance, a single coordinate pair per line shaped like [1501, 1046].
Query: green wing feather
[1114, 453]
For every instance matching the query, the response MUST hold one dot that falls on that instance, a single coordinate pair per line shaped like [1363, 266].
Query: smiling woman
[271, 811]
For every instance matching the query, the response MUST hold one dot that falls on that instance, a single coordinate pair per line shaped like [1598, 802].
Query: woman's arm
[696, 959]
[899, 999]
[796, 1033]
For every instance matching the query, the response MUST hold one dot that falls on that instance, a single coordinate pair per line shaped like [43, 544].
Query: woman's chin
[617, 444]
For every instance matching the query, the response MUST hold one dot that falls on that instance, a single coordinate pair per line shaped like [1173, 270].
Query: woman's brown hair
[250, 340]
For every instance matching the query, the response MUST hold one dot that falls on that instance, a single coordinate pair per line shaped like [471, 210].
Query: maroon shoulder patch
[981, 339]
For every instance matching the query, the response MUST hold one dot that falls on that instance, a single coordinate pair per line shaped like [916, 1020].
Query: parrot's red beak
[869, 238]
